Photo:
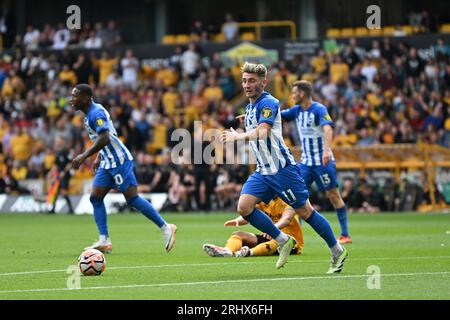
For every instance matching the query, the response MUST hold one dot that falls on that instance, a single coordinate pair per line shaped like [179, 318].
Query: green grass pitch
[410, 250]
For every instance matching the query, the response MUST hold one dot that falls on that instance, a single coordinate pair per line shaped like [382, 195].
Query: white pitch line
[137, 286]
[183, 265]
[30, 272]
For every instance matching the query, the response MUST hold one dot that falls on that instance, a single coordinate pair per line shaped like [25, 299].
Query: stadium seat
[418, 29]
[347, 32]
[248, 36]
[408, 29]
[375, 32]
[168, 39]
[333, 33]
[361, 32]
[388, 30]
[445, 28]
[219, 37]
[194, 37]
[182, 38]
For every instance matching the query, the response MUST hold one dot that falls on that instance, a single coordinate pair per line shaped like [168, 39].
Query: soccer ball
[92, 262]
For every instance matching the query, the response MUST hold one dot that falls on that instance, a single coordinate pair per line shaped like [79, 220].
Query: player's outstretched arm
[262, 131]
[239, 221]
[102, 140]
[290, 114]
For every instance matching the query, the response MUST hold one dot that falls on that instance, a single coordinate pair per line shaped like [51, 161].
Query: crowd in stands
[89, 36]
[363, 196]
[200, 32]
[423, 21]
[382, 94]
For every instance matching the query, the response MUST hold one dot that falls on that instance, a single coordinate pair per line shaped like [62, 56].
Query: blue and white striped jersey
[310, 130]
[271, 153]
[114, 153]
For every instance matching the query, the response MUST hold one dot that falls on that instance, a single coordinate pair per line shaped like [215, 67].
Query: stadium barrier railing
[258, 25]
[397, 158]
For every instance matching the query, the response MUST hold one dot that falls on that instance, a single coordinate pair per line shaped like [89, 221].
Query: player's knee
[131, 199]
[305, 211]
[95, 200]
[244, 210]
[335, 198]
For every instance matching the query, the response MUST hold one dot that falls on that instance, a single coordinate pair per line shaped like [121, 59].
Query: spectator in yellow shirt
[170, 100]
[3, 167]
[168, 76]
[68, 76]
[19, 172]
[282, 83]
[213, 91]
[12, 84]
[21, 145]
[105, 66]
[4, 127]
[319, 63]
[339, 70]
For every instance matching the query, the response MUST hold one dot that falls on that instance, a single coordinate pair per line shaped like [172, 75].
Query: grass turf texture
[411, 251]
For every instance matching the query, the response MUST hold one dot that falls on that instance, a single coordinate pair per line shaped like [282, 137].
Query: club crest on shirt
[99, 122]
[266, 112]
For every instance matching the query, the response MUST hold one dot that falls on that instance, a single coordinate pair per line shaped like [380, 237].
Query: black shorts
[262, 239]
[64, 184]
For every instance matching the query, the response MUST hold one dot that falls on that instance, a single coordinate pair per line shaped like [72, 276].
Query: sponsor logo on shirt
[266, 112]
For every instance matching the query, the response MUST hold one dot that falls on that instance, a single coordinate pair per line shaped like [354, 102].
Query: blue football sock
[100, 215]
[322, 227]
[263, 223]
[147, 210]
[343, 221]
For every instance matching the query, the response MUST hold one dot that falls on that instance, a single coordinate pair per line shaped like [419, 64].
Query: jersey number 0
[118, 179]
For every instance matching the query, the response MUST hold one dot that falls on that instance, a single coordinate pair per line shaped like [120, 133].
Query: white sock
[336, 250]
[251, 252]
[282, 238]
[165, 228]
[103, 237]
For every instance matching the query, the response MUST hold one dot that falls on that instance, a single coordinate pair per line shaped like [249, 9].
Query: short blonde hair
[259, 69]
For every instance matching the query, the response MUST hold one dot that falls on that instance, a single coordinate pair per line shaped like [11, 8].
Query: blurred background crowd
[384, 93]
